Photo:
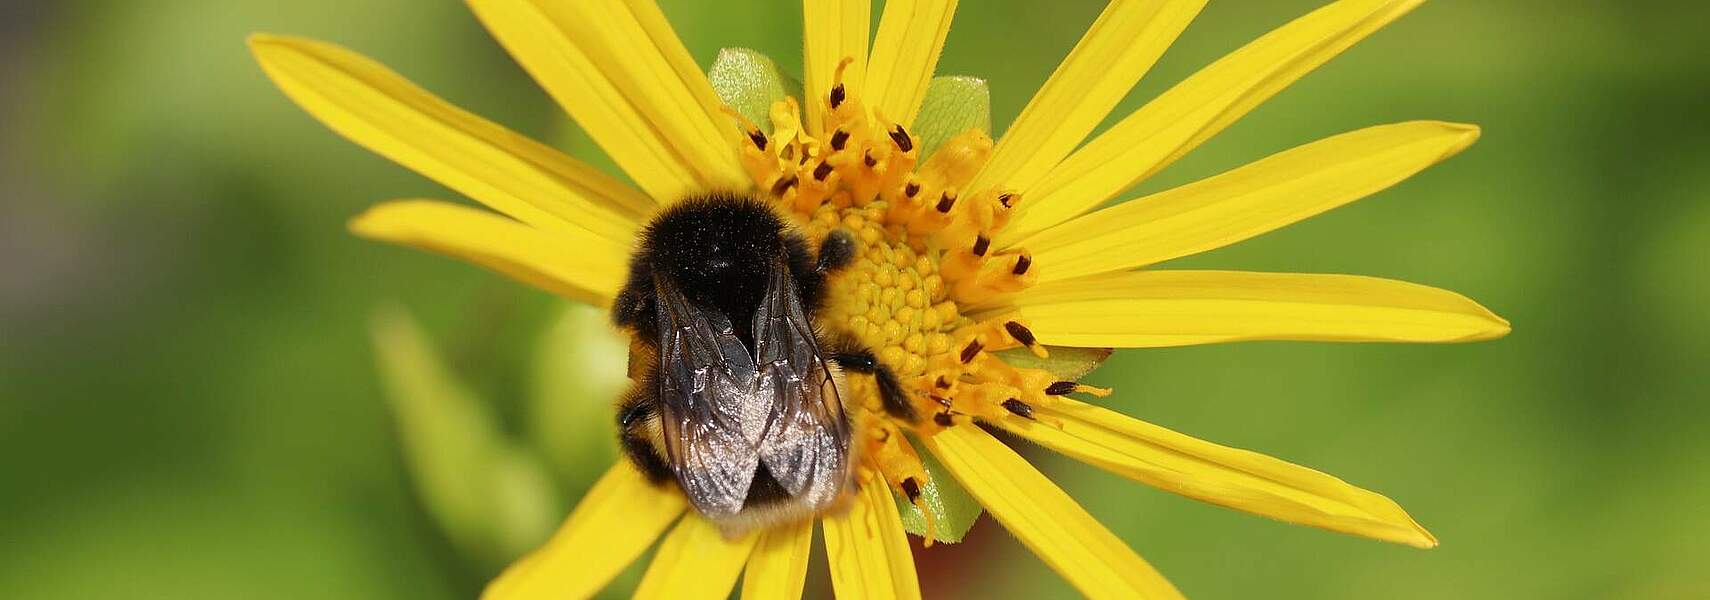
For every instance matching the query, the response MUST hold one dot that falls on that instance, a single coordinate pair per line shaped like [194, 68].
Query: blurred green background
[189, 406]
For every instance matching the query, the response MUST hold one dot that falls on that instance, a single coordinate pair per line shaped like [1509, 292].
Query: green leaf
[953, 510]
[493, 498]
[953, 104]
[1068, 364]
[750, 82]
[581, 366]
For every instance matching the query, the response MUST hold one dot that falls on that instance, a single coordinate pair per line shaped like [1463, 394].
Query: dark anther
[839, 140]
[867, 159]
[822, 171]
[784, 185]
[911, 190]
[946, 202]
[900, 136]
[1020, 333]
[943, 420]
[1021, 409]
[1061, 388]
[1006, 199]
[971, 351]
[981, 245]
[940, 399]
[911, 488]
[837, 95]
[759, 139]
[942, 383]
[1021, 265]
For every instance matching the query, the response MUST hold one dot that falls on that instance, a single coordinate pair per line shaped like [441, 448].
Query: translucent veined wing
[805, 443]
[711, 417]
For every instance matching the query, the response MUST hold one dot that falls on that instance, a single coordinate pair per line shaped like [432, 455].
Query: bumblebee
[737, 396]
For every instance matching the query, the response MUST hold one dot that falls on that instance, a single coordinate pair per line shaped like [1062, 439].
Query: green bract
[952, 105]
[1068, 364]
[750, 82]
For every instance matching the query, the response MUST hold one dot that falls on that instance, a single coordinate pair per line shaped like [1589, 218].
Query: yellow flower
[980, 247]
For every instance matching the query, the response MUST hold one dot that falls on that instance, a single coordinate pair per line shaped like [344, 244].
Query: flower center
[924, 292]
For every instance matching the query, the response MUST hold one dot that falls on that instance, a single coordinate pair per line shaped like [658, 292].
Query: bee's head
[718, 250]
[716, 245]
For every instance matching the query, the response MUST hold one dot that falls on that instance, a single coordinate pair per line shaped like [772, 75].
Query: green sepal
[954, 511]
[953, 104]
[1067, 364]
[493, 498]
[751, 82]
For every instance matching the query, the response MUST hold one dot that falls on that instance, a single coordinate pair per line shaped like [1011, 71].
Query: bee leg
[637, 418]
[891, 392]
[836, 252]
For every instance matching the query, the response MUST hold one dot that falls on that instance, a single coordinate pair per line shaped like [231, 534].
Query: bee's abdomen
[638, 429]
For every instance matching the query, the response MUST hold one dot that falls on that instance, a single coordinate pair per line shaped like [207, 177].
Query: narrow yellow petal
[868, 548]
[1266, 195]
[621, 516]
[1238, 479]
[379, 110]
[1115, 52]
[832, 30]
[1197, 108]
[1045, 518]
[580, 267]
[694, 562]
[620, 71]
[1144, 309]
[905, 53]
[779, 566]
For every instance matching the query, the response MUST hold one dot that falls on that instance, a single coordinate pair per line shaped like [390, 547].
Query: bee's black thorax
[718, 250]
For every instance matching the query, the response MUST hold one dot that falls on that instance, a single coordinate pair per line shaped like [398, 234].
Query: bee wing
[711, 417]
[805, 443]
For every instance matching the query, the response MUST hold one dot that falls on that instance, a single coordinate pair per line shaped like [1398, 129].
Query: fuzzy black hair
[718, 249]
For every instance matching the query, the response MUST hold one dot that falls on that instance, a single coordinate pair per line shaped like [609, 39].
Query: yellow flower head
[974, 260]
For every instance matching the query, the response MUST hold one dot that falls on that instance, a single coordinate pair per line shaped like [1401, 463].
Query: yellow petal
[868, 548]
[778, 568]
[621, 516]
[1179, 308]
[1115, 52]
[694, 561]
[580, 267]
[1045, 518]
[620, 71]
[379, 110]
[832, 30]
[1197, 108]
[1231, 477]
[1248, 201]
[905, 53]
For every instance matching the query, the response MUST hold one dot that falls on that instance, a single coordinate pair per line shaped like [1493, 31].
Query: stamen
[946, 202]
[1021, 409]
[901, 138]
[1021, 333]
[972, 350]
[784, 184]
[837, 95]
